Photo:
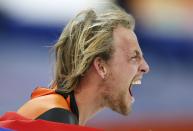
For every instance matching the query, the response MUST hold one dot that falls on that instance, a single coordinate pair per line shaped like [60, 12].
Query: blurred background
[28, 28]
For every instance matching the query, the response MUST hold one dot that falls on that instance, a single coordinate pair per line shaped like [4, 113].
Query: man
[97, 60]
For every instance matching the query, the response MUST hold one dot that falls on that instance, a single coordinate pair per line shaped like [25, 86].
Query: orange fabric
[40, 91]
[55, 100]
[68, 100]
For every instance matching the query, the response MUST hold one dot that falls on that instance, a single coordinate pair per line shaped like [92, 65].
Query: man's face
[125, 68]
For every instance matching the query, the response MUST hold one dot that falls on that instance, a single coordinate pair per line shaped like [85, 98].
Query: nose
[144, 67]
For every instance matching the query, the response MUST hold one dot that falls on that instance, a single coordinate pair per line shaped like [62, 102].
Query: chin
[125, 106]
[123, 109]
[120, 103]
[124, 112]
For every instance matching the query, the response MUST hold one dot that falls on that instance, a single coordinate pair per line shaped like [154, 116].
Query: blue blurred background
[28, 28]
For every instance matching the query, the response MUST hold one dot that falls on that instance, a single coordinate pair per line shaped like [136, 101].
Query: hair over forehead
[85, 37]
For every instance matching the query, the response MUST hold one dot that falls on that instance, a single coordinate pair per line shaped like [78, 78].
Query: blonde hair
[84, 38]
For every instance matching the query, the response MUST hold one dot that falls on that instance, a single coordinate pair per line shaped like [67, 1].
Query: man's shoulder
[37, 106]
[59, 115]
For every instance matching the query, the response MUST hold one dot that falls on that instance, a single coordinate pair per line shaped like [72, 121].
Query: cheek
[122, 73]
[127, 72]
[132, 71]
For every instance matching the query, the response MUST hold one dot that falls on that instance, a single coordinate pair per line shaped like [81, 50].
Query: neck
[88, 102]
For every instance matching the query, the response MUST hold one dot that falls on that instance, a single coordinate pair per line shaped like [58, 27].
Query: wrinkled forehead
[126, 40]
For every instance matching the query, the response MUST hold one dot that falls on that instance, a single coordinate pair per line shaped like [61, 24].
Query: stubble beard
[118, 102]
[116, 98]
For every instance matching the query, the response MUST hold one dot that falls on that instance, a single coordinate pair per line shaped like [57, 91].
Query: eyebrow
[138, 53]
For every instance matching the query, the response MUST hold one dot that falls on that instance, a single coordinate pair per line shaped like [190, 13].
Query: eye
[134, 57]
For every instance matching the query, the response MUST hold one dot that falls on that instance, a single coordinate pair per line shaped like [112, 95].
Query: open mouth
[134, 82]
[130, 90]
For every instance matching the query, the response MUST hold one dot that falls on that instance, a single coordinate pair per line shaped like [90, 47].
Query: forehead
[125, 40]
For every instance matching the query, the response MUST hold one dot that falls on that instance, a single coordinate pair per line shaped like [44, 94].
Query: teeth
[132, 99]
[137, 82]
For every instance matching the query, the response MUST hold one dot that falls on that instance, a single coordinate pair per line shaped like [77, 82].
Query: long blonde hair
[84, 38]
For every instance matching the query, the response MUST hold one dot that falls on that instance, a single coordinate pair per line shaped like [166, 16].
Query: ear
[100, 66]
